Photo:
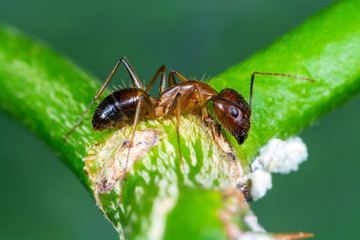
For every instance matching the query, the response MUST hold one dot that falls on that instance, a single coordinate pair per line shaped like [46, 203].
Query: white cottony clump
[252, 221]
[279, 156]
[260, 183]
[254, 236]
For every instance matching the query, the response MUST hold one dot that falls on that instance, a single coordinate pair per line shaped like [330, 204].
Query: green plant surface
[35, 82]
[39, 88]
[329, 55]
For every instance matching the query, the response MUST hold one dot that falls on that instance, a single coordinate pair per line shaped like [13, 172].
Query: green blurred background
[42, 199]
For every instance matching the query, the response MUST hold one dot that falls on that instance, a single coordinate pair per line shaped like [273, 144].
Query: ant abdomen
[117, 109]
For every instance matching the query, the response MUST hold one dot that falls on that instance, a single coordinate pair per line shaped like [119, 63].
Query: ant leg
[273, 74]
[171, 78]
[202, 105]
[135, 79]
[176, 105]
[185, 100]
[172, 74]
[205, 114]
[178, 114]
[162, 71]
[151, 111]
[96, 97]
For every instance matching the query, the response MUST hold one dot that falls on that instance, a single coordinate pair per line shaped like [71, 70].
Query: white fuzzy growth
[253, 223]
[280, 156]
[254, 236]
[277, 156]
[260, 183]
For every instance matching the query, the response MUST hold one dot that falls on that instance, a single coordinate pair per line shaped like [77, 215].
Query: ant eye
[234, 112]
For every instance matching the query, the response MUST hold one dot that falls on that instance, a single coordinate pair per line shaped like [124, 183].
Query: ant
[129, 105]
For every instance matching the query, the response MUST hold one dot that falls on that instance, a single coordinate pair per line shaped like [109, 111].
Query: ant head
[233, 112]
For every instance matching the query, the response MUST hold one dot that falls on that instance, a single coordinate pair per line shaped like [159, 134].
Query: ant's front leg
[204, 114]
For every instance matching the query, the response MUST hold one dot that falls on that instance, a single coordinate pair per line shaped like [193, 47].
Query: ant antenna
[274, 74]
[228, 101]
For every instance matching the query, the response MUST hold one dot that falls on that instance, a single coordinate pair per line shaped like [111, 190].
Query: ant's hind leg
[96, 97]
[134, 77]
[151, 111]
[130, 142]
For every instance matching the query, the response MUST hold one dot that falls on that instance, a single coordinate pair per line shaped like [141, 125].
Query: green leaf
[163, 198]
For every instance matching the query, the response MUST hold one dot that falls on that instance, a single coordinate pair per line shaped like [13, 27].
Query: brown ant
[129, 105]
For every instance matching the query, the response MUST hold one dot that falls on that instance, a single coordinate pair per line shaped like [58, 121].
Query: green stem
[325, 48]
[48, 94]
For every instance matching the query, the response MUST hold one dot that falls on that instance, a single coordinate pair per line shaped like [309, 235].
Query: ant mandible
[131, 104]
